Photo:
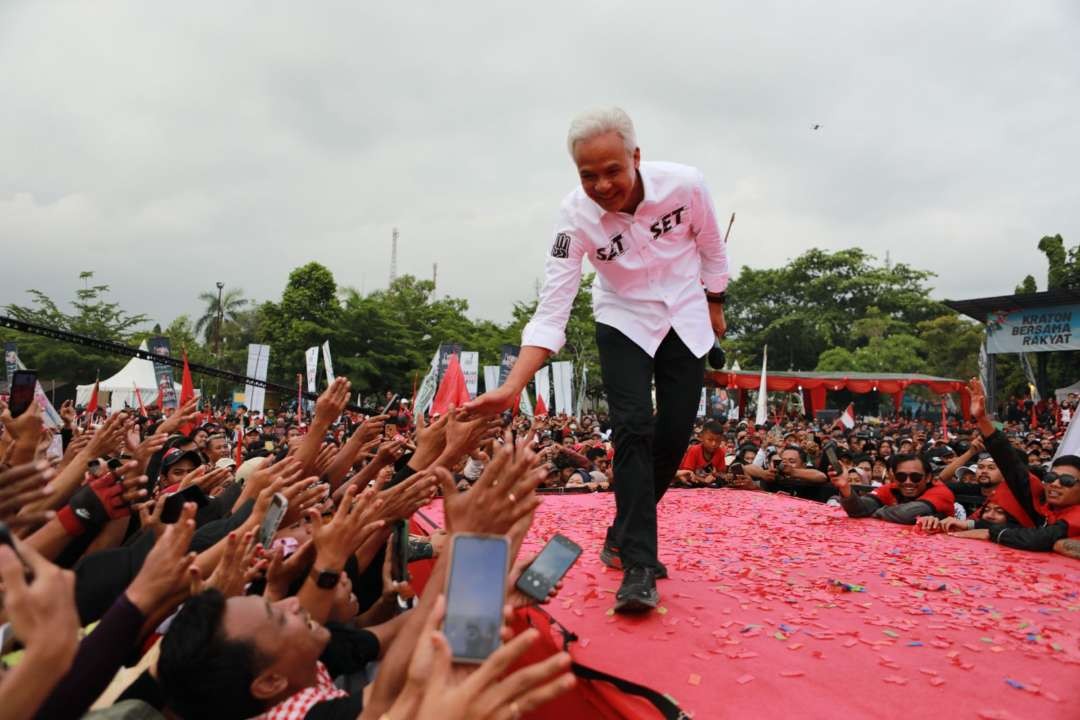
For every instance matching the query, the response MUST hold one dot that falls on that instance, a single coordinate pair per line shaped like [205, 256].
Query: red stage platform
[782, 608]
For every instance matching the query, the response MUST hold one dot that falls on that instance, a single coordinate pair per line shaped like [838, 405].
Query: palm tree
[232, 304]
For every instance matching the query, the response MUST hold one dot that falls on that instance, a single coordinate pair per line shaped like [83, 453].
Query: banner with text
[470, 367]
[426, 392]
[563, 376]
[11, 359]
[445, 351]
[162, 372]
[257, 364]
[506, 362]
[1034, 330]
[311, 362]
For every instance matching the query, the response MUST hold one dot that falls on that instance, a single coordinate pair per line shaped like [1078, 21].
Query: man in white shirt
[650, 231]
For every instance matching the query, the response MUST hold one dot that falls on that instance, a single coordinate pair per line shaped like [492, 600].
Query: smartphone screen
[549, 567]
[174, 503]
[399, 558]
[270, 523]
[475, 594]
[23, 383]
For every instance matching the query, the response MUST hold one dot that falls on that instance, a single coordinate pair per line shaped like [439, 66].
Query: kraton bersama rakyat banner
[1034, 330]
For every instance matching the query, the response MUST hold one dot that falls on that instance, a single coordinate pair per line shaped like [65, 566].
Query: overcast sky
[166, 146]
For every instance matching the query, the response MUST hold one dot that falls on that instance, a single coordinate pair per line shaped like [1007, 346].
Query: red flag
[541, 408]
[138, 399]
[91, 407]
[452, 390]
[1034, 417]
[187, 391]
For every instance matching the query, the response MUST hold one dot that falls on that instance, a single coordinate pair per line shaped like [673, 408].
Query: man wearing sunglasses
[1052, 502]
[911, 493]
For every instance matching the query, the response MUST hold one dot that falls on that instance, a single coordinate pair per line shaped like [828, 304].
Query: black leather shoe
[638, 591]
[609, 555]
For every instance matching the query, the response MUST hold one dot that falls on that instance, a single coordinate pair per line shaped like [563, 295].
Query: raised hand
[978, 398]
[237, 566]
[21, 485]
[181, 416]
[405, 498]
[283, 572]
[332, 402]
[347, 530]
[163, 580]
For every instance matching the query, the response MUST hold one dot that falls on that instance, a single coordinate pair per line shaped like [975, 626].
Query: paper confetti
[743, 679]
[694, 679]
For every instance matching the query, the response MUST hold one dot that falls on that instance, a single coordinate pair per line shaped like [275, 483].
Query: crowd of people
[145, 531]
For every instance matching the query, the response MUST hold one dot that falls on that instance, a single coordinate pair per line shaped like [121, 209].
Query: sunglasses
[914, 478]
[1065, 480]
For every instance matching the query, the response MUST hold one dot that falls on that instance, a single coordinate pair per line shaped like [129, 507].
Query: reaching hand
[163, 579]
[21, 485]
[332, 402]
[283, 572]
[42, 610]
[978, 398]
[492, 402]
[235, 569]
[181, 416]
[351, 525]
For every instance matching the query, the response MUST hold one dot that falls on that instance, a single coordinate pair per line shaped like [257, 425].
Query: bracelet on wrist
[717, 298]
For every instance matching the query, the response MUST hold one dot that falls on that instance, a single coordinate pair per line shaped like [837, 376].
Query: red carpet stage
[782, 608]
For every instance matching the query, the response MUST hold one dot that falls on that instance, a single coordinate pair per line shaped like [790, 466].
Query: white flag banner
[581, 391]
[311, 356]
[543, 385]
[425, 394]
[470, 367]
[1070, 444]
[525, 405]
[763, 395]
[327, 364]
[257, 364]
[491, 377]
[563, 378]
[701, 404]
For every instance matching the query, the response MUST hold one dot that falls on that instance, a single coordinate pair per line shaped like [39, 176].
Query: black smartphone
[272, 521]
[737, 469]
[399, 552]
[549, 567]
[23, 383]
[174, 503]
[475, 594]
[834, 461]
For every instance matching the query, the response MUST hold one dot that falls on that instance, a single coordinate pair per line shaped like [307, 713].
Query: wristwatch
[720, 297]
[326, 579]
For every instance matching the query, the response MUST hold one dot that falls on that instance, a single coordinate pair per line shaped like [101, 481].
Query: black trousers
[648, 447]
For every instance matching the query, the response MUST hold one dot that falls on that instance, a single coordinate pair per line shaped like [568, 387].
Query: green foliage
[952, 346]
[1027, 287]
[226, 312]
[820, 301]
[308, 314]
[93, 315]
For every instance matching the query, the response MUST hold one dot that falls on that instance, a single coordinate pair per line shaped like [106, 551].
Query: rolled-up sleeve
[711, 244]
[562, 277]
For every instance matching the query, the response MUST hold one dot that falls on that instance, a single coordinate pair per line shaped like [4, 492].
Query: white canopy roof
[120, 388]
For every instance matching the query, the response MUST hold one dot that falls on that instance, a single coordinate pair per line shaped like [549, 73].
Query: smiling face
[1059, 496]
[287, 641]
[908, 471]
[608, 171]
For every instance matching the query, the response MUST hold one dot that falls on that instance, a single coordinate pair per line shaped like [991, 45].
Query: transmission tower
[393, 256]
[434, 276]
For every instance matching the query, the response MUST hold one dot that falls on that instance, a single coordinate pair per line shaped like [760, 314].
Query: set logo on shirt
[664, 224]
[613, 250]
[561, 247]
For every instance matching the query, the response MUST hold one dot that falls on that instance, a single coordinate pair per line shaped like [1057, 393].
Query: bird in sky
[815, 127]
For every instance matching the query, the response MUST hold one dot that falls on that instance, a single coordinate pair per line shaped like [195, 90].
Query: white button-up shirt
[650, 266]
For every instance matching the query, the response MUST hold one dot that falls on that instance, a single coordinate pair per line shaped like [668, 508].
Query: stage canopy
[815, 385]
[118, 391]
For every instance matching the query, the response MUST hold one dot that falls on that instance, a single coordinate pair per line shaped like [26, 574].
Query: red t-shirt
[937, 495]
[695, 460]
[1071, 516]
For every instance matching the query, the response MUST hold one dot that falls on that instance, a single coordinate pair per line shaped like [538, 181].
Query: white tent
[1062, 393]
[119, 390]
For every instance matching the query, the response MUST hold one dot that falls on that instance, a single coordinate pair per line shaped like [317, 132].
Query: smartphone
[399, 552]
[736, 469]
[549, 567]
[834, 461]
[475, 594]
[268, 446]
[23, 384]
[390, 404]
[174, 503]
[270, 523]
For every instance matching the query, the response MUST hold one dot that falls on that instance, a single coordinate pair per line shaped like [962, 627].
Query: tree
[93, 316]
[309, 313]
[952, 346]
[812, 304]
[228, 311]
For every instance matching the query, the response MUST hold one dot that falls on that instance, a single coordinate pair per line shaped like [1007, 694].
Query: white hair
[598, 121]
